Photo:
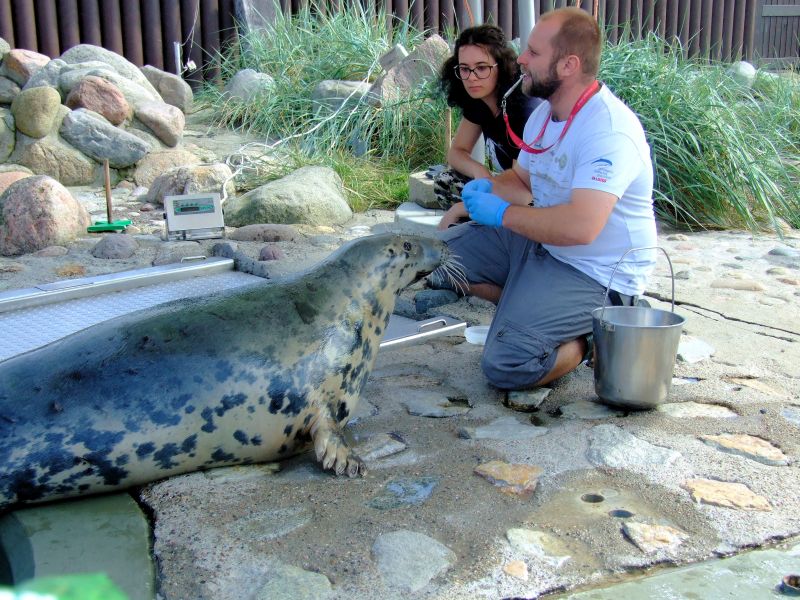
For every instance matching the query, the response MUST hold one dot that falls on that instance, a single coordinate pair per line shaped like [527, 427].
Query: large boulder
[192, 180]
[165, 120]
[35, 110]
[99, 139]
[19, 65]
[37, 212]
[159, 162]
[7, 134]
[87, 52]
[100, 96]
[133, 92]
[9, 177]
[331, 94]
[312, 195]
[248, 84]
[8, 90]
[174, 90]
[421, 65]
[5, 48]
[47, 76]
[51, 156]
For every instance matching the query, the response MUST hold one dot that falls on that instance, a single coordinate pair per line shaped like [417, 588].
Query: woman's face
[472, 57]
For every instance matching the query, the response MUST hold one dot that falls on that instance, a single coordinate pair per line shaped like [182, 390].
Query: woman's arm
[459, 156]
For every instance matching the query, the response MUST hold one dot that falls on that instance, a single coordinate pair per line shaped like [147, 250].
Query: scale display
[193, 216]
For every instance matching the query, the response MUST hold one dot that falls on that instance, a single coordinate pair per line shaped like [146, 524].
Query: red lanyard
[587, 93]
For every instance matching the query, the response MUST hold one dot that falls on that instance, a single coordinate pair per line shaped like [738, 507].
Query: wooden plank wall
[145, 31]
[778, 31]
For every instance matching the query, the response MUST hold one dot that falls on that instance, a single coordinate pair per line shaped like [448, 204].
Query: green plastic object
[120, 225]
[89, 586]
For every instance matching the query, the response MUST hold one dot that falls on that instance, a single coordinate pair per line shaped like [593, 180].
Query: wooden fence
[149, 31]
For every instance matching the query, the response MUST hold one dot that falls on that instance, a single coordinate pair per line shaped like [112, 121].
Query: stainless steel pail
[634, 351]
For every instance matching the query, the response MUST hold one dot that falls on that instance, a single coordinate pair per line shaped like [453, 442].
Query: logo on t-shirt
[602, 169]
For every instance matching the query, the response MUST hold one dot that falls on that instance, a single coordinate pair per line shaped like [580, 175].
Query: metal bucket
[634, 350]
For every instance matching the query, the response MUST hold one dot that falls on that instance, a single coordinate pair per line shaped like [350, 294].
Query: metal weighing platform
[34, 317]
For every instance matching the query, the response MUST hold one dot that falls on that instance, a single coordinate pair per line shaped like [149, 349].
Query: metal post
[476, 10]
[527, 19]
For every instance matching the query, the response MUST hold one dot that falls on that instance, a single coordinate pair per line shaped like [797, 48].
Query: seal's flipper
[332, 450]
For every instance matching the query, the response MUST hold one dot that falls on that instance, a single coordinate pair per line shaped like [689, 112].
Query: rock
[748, 446]
[115, 246]
[421, 191]
[174, 90]
[403, 492]
[694, 410]
[747, 285]
[35, 111]
[379, 446]
[265, 233]
[526, 400]
[653, 538]
[311, 195]
[743, 73]
[19, 65]
[504, 428]
[543, 546]
[515, 479]
[100, 96]
[164, 120]
[792, 414]
[174, 252]
[430, 403]
[427, 300]
[87, 52]
[611, 446]
[48, 75]
[5, 48]
[762, 387]
[51, 156]
[191, 180]
[693, 350]
[51, 251]
[270, 524]
[38, 212]
[8, 135]
[159, 162]
[271, 252]
[99, 139]
[394, 56]
[134, 93]
[287, 582]
[8, 90]
[678, 237]
[248, 84]
[9, 177]
[517, 569]
[584, 409]
[789, 280]
[725, 494]
[331, 95]
[784, 251]
[408, 560]
[421, 65]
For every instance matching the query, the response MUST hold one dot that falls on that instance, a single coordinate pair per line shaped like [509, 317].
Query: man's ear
[569, 65]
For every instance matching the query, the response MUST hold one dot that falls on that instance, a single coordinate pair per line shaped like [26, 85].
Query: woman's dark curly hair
[493, 40]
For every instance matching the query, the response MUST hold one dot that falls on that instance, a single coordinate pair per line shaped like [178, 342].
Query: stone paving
[472, 493]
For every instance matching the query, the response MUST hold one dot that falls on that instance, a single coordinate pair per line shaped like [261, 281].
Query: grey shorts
[544, 303]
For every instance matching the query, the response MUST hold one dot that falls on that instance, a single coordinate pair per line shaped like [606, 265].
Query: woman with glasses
[482, 69]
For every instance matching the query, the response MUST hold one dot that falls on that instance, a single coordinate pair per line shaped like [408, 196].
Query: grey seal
[236, 377]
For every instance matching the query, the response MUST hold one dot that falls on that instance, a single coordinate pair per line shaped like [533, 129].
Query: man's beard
[545, 87]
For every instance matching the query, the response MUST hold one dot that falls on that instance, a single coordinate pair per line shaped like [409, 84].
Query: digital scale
[193, 217]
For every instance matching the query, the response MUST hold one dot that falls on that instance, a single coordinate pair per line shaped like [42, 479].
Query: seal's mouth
[449, 274]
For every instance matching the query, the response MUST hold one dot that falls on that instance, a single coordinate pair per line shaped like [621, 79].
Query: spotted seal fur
[236, 377]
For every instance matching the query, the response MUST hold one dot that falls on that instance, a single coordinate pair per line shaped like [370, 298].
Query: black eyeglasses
[481, 71]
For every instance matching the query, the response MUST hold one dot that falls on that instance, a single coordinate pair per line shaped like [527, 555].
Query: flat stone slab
[692, 350]
[748, 446]
[540, 544]
[611, 446]
[526, 400]
[514, 479]
[380, 446]
[405, 491]
[504, 428]
[726, 494]
[654, 538]
[270, 524]
[293, 583]
[692, 410]
[429, 403]
[584, 409]
[408, 560]
[792, 414]
[108, 534]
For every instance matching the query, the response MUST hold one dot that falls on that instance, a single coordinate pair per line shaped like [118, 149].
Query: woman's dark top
[519, 108]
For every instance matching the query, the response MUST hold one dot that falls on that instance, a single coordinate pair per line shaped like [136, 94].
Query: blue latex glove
[483, 206]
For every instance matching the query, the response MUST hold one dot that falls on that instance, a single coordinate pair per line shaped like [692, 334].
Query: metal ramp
[34, 317]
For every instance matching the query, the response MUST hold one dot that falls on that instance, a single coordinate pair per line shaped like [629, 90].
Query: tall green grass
[723, 152]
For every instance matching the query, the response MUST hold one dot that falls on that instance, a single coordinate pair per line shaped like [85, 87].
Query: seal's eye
[407, 246]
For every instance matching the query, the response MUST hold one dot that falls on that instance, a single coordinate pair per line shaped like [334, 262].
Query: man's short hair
[579, 35]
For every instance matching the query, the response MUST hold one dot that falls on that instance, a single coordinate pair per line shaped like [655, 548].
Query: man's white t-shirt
[604, 149]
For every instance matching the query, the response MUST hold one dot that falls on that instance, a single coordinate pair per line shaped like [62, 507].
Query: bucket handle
[671, 272]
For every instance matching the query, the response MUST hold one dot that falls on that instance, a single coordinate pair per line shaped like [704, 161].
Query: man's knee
[516, 360]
